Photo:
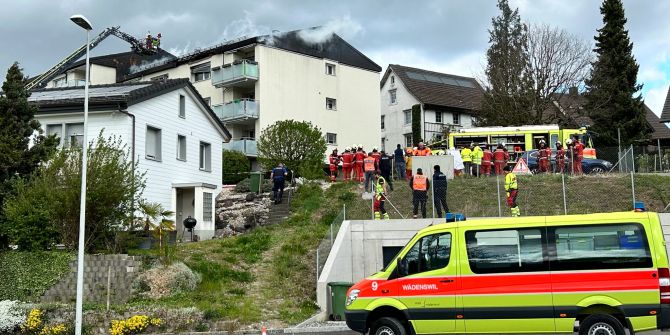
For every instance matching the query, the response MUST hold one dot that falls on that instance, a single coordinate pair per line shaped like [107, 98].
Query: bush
[245, 186]
[162, 281]
[299, 145]
[236, 167]
[25, 276]
[11, 316]
[45, 210]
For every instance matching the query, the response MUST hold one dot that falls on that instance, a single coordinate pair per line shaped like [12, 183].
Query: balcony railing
[245, 146]
[238, 72]
[237, 111]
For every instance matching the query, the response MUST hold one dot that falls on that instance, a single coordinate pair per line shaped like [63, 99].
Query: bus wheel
[601, 324]
[387, 326]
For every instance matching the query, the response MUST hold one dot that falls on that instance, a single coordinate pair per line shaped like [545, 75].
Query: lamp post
[81, 21]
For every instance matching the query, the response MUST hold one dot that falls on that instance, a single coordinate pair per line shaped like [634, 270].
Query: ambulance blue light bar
[639, 207]
[452, 217]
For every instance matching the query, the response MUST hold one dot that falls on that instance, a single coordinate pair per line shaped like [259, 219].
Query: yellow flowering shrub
[133, 325]
[33, 323]
[57, 329]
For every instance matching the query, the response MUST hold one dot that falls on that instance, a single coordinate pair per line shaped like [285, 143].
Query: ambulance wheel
[601, 324]
[387, 326]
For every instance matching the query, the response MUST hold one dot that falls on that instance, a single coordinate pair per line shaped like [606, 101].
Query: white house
[170, 130]
[252, 82]
[446, 102]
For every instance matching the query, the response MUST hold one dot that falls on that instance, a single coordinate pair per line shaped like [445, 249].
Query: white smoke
[242, 27]
[180, 51]
[344, 26]
[146, 65]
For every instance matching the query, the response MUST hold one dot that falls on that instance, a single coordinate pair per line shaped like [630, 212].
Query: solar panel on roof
[465, 83]
[415, 76]
[450, 81]
[433, 78]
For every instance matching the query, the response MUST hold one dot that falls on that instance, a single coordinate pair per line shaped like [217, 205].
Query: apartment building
[253, 82]
[447, 103]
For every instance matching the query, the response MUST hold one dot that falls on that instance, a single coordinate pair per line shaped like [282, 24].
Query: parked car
[589, 165]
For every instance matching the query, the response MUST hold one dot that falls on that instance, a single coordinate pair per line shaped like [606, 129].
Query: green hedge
[25, 276]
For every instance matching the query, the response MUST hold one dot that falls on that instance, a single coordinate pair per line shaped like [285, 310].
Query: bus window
[554, 139]
[537, 138]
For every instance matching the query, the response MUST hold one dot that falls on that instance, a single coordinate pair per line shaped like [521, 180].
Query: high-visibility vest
[477, 155]
[369, 163]
[466, 155]
[420, 183]
[422, 152]
[380, 189]
[510, 182]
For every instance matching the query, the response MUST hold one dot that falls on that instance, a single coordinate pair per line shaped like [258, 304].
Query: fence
[323, 250]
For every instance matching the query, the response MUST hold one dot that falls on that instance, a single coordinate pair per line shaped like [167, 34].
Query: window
[55, 129]
[181, 147]
[201, 72]
[205, 156]
[75, 135]
[383, 117]
[428, 253]
[182, 106]
[331, 104]
[162, 77]
[208, 101]
[512, 250]
[408, 116]
[457, 118]
[601, 247]
[438, 117]
[392, 96]
[331, 138]
[207, 207]
[153, 143]
[392, 80]
[330, 69]
[408, 140]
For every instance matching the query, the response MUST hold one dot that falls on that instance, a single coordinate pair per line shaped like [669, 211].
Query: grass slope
[266, 275]
[538, 195]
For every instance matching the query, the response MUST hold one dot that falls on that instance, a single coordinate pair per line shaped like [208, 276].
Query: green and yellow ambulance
[597, 274]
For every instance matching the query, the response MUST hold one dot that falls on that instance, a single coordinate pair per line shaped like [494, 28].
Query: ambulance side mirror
[401, 267]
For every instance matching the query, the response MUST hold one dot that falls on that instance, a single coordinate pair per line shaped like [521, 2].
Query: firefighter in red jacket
[487, 161]
[500, 158]
[358, 163]
[334, 160]
[578, 155]
[376, 155]
[544, 155]
[560, 158]
[347, 163]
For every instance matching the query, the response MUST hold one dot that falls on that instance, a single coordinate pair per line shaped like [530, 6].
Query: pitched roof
[660, 130]
[127, 94]
[439, 89]
[331, 47]
[665, 114]
[126, 63]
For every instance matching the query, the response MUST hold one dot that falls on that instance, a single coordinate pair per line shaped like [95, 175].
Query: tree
[236, 167]
[299, 145]
[506, 97]
[44, 209]
[416, 124]
[17, 125]
[611, 90]
[558, 61]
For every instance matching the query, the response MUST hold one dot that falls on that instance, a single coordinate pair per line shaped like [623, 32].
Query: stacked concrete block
[118, 271]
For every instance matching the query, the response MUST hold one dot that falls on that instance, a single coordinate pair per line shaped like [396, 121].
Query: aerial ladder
[145, 48]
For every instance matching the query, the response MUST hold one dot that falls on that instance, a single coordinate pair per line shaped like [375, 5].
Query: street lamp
[81, 21]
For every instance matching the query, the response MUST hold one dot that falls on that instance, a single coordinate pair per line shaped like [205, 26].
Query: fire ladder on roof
[135, 44]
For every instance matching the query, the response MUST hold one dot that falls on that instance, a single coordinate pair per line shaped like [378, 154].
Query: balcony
[238, 73]
[237, 111]
[245, 146]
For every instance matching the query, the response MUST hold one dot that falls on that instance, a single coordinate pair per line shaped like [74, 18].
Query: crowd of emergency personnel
[374, 170]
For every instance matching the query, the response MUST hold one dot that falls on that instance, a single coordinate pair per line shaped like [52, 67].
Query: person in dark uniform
[278, 177]
[440, 189]
[385, 166]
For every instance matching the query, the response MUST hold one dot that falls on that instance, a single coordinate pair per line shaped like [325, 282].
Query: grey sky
[449, 36]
